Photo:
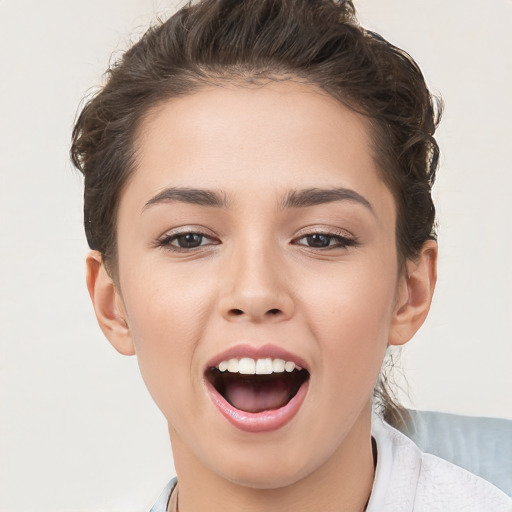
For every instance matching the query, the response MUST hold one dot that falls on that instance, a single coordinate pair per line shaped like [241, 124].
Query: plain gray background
[78, 431]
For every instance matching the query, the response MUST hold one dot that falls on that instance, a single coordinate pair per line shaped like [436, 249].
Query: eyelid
[323, 230]
[187, 228]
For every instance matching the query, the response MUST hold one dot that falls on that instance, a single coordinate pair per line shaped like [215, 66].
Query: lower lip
[264, 421]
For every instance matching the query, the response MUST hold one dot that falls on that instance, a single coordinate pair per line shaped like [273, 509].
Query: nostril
[236, 312]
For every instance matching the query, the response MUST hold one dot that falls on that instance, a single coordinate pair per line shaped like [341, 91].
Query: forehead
[254, 138]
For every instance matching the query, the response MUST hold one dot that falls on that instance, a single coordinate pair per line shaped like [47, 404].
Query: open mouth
[257, 385]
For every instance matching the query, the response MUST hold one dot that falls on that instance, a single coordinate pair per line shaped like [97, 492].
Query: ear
[108, 305]
[414, 295]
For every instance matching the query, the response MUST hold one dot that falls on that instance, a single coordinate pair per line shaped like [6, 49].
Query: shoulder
[442, 484]
[408, 480]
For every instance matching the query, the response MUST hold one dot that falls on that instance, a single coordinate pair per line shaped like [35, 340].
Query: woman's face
[256, 227]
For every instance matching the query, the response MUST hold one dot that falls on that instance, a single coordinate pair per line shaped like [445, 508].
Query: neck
[342, 483]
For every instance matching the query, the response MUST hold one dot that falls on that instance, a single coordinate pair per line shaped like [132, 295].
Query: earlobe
[414, 295]
[108, 305]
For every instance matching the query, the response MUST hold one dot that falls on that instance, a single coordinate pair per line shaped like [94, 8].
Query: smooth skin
[320, 280]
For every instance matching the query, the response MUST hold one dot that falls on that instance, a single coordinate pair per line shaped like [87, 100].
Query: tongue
[253, 396]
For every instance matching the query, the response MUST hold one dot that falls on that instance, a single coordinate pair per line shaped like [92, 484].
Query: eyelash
[166, 241]
[341, 241]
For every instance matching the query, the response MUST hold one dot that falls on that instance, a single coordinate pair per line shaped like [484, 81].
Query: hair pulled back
[211, 42]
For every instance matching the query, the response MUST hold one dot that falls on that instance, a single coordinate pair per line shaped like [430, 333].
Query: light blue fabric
[481, 445]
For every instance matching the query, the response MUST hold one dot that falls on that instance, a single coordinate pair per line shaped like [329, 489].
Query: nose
[255, 287]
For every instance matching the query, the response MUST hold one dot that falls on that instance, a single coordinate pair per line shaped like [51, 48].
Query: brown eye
[318, 240]
[187, 240]
[326, 241]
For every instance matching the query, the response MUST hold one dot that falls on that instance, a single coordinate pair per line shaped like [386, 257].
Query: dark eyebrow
[316, 196]
[201, 197]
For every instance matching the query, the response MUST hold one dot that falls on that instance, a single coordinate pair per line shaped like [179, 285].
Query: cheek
[167, 314]
[350, 311]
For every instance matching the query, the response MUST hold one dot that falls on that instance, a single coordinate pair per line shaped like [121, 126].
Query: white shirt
[408, 480]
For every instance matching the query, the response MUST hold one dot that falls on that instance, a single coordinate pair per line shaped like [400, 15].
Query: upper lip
[259, 352]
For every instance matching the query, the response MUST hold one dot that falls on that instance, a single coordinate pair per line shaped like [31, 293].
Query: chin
[270, 477]
[265, 467]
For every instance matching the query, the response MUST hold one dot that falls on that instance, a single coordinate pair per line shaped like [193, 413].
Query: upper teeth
[249, 366]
